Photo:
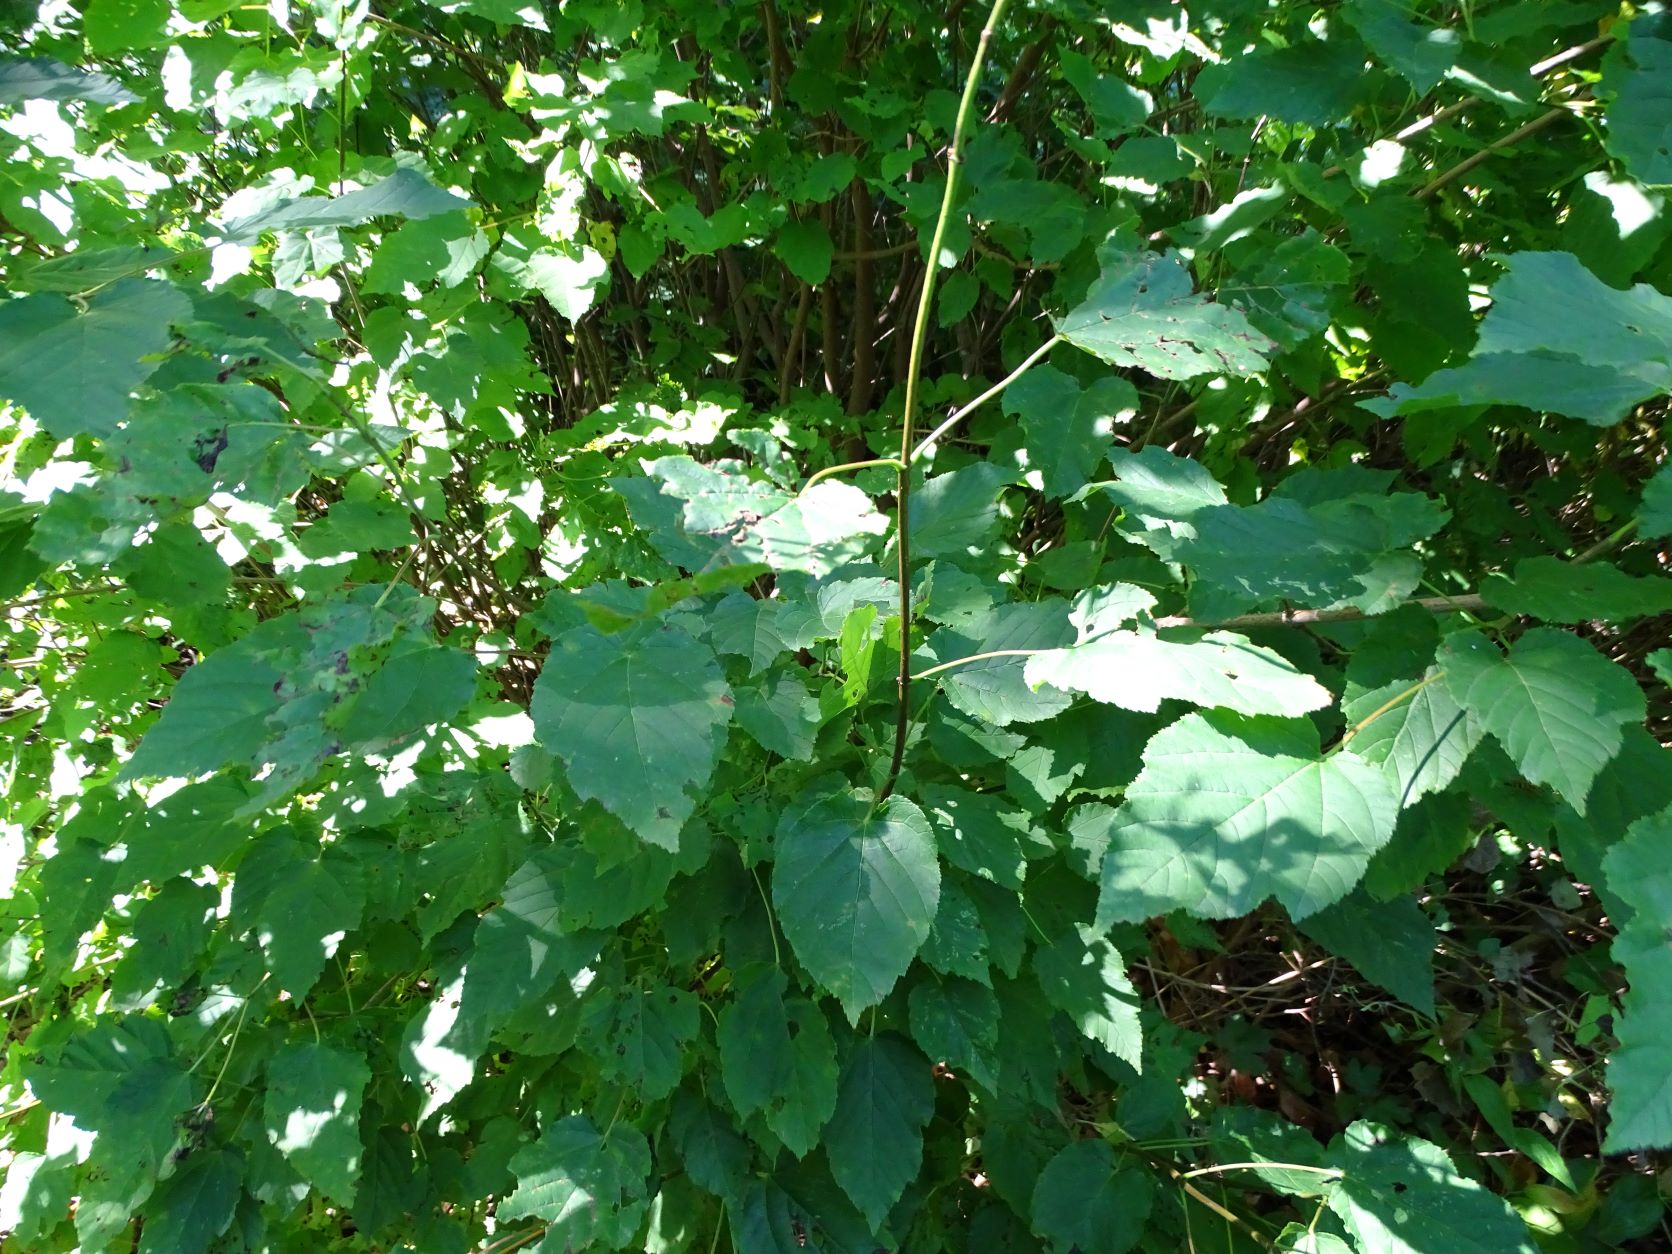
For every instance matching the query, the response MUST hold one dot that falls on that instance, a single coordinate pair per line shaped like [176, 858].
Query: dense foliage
[715, 626]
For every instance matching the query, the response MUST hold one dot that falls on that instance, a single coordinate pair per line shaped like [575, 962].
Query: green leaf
[1090, 1202]
[875, 1138]
[405, 193]
[312, 1114]
[73, 370]
[1640, 1068]
[1160, 492]
[42, 78]
[118, 1075]
[956, 1021]
[746, 627]
[571, 280]
[120, 1079]
[781, 713]
[777, 1057]
[806, 249]
[1323, 555]
[856, 887]
[1634, 83]
[419, 684]
[1420, 738]
[1141, 312]
[1399, 1194]
[216, 716]
[957, 944]
[1421, 53]
[1313, 83]
[979, 832]
[298, 904]
[1084, 976]
[1654, 514]
[1390, 942]
[1115, 105]
[117, 26]
[1138, 671]
[195, 1206]
[955, 515]
[997, 689]
[587, 1187]
[638, 720]
[1216, 823]
[641, 1033]
[1556, 705]
[1069, 430]
[1558, 340]
[1566, 592]
[446, 249]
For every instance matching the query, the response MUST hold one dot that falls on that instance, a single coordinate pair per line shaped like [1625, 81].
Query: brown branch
[1467, 603]
[1468, 163]
[862, 384]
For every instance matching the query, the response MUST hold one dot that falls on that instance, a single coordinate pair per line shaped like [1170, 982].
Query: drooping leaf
[1088, 1201]
[642, 1034]
[1556, 705]
[1084, 976]
[875, 1138]
[807, 250]
[312, 1114]
[855, 887]
[777, 1056]
[405, 193]
[587, 1187]
[1390, 942]
[1565, 592]
[1640, 1069]
[1216, 822]
[42, 78]
[638, 720]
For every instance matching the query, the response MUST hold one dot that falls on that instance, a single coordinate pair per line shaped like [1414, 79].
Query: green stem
[1389, 704]
[1607, 542]
[977, 657]
[914, 367]
[959, 415]
[847, 466]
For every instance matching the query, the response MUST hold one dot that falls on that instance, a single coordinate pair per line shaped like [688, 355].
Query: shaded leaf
[875, 1138]
[638, 720]
[855, 888]
[312, 1114]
